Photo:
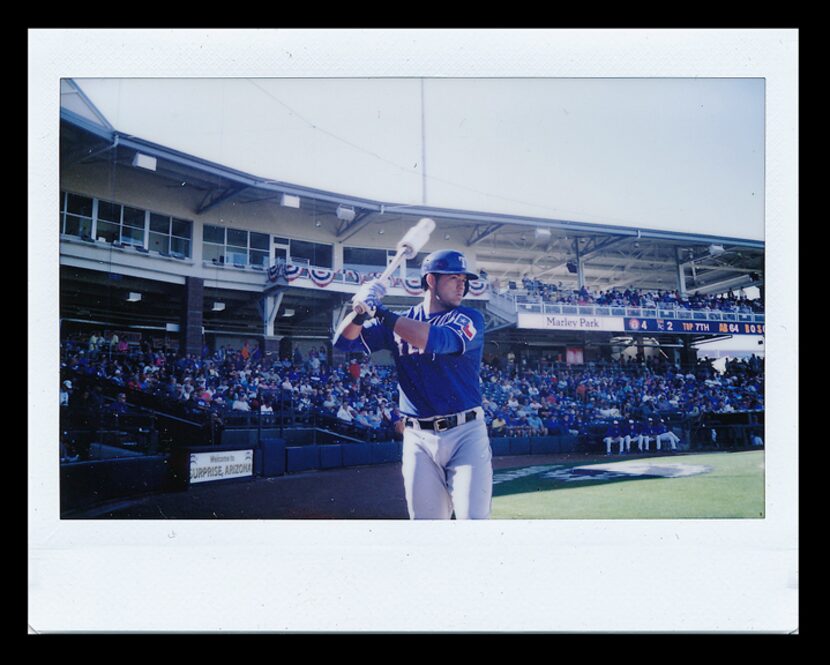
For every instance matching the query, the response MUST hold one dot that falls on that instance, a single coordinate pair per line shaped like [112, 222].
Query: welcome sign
[205, 467]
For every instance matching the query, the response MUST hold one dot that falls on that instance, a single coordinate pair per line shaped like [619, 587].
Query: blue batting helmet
[446, 262]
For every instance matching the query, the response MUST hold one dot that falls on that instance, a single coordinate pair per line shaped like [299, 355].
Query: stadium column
[193, 315]
[681, 273]
[688, 355]
[270, 306]
[580, 266]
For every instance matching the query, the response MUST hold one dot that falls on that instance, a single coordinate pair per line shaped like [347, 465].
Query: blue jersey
[441, 379]
[613, 431]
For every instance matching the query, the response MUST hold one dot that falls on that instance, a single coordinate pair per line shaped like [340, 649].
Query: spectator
[120, 406]
[65, 393]
[362, 419]
[536, 426]
[241, 403]
[93, 344]
[498, 426]
[345, 413]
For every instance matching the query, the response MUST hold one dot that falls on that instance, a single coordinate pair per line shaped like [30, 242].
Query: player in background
[613, 434]
[629, 433]
[649, 432]
[664, 433]
[437, 346]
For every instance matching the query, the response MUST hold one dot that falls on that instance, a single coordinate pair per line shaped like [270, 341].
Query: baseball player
[649, 432]
[614, 434]
[437, 346]
[663, 432]
[631, 432]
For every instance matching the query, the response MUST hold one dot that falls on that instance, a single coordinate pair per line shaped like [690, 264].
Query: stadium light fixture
[143, 161]
[290, 201]
[133, 297]
[345, 213]
[218, 306]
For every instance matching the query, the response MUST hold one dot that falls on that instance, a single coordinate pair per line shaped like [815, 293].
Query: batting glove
[369, 296]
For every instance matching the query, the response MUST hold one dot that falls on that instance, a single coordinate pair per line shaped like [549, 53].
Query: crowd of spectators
[562, 399]
[233, 381]
[521, 400]
[731, 302]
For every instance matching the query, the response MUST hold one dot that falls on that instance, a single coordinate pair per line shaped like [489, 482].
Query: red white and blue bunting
[412, 286]
[321, 276]
[292, 272]
[477, 287]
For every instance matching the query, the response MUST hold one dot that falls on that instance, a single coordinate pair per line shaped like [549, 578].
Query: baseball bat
[407, 248]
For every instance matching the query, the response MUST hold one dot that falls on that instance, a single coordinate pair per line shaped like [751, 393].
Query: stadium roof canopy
[506, 246]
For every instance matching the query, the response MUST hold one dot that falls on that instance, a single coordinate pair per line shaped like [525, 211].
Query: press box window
[362, 256]
[108, 223]
[237, 247]
[181, 234]
[159, 239]
[132, 229]
[170, 235]
[312, 253]
[76, 214]
[258, 253]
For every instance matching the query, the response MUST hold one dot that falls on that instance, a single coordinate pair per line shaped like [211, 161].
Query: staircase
[500, 312]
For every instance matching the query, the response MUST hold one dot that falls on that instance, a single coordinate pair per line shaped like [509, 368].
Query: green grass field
[711, 485]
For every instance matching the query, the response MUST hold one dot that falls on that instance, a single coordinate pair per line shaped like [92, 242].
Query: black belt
[442, 424]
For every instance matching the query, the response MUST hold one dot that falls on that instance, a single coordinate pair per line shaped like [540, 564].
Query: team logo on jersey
[465, 326]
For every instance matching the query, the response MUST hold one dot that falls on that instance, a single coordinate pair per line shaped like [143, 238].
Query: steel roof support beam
[216, 196]
[348, 229]
[480, 234]
[84, 154]
[598, 247]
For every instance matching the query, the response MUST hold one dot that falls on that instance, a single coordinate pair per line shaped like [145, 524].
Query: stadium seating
[183, 394]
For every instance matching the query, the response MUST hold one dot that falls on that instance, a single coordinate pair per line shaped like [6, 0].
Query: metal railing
[287, 417]
[536, 305]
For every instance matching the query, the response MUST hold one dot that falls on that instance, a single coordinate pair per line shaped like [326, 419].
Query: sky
[679, 154]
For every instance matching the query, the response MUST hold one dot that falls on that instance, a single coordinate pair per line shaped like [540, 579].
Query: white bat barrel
[418, 236]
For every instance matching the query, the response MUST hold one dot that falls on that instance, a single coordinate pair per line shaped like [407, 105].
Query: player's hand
[369, 296]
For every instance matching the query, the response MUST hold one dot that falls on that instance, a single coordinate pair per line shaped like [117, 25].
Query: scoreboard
[636, 324]
[697, 327]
